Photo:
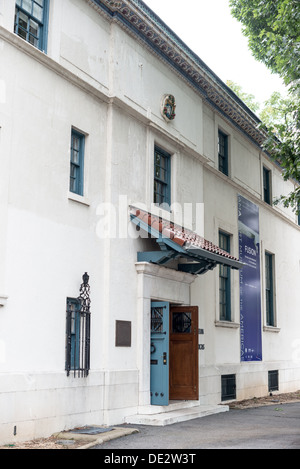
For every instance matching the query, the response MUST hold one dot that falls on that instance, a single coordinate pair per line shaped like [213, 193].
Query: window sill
[78, 198]
[271, 329]
[228, 324]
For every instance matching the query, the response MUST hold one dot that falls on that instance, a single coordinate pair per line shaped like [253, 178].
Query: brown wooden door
[183, 352]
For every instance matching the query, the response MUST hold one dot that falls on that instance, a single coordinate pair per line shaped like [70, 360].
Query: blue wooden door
[159, 353]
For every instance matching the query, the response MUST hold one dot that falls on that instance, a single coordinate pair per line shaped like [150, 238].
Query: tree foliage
[273, 31]
[248, 99]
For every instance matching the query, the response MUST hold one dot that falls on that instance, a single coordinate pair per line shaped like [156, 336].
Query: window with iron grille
[228, 383]
[224, 281]
[78, 332]
[223, 152]
[31, 22]
[273, 380]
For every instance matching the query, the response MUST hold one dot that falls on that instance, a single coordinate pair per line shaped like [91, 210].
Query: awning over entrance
[194, 254]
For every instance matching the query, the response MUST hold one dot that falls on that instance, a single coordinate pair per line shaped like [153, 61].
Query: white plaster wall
[99, 52]
[282, 240]
[84, 41]
[281, 344]
[141, 80]
[245, 167]
[49, 239]
[47, 232]
[209, 140]
[39, 404]
[7, 11]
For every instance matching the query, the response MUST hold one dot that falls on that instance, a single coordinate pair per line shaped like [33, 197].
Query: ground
[58, 443]
[267, 400]
[46, 443]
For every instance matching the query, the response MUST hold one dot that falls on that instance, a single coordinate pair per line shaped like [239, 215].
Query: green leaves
[272, 28]
[248, 99]
[273, 31]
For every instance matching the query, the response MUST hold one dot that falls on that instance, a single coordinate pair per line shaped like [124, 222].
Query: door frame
[155, 283]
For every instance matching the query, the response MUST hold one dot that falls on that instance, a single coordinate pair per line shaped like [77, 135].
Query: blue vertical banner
[250, 287]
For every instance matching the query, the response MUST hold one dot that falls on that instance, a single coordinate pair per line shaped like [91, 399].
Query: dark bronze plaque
[123, 333]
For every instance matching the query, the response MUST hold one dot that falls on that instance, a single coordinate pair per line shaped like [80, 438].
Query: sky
[208, 28]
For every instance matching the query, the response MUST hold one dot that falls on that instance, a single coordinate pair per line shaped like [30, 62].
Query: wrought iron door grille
[157, 320]
[78, 331]
[181, 323]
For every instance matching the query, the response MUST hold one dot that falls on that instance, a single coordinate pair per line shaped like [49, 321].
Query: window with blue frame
[267, 185]
[223, 152]
[78, 331]
[77, 162]
[269, 271]
[31, 22]
[162, 178]
[224, 281]
[73, 335]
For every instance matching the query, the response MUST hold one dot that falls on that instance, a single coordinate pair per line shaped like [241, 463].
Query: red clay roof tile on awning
[184, 238]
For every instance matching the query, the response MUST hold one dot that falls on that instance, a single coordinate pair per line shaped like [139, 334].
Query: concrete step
[173, 405]
[175, 416]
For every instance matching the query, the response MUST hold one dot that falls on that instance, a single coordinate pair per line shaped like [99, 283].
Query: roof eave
[203, 253]
[190, 253]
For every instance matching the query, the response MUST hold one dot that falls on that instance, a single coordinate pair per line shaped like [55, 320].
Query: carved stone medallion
[168, 107]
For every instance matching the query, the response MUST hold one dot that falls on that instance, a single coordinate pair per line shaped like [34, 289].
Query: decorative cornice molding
[145, 25]
[114, 4]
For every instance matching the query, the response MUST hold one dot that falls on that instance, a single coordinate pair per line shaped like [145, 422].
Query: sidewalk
[271, 421]
[274, 426]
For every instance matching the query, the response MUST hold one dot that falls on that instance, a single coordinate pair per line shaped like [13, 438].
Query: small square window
[273, 382]
[228, 387]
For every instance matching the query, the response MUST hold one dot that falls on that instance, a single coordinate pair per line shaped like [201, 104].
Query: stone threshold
[176, 411]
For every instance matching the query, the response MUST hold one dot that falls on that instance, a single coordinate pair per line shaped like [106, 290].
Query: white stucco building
[104, 115]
